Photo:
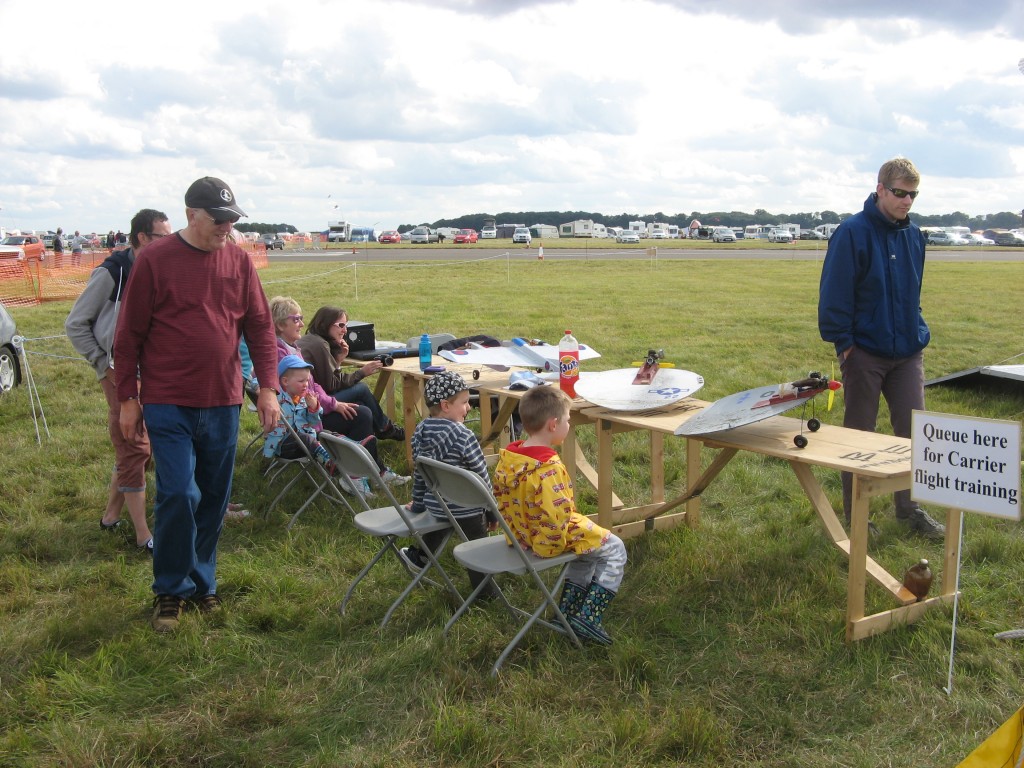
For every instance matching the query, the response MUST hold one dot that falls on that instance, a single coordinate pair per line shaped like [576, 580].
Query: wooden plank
[896, 617]
[640, 527]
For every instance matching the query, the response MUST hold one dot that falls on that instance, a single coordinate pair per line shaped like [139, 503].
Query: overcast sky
[381, 112]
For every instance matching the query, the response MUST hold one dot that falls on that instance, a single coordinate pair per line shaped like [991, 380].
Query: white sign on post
[966, 463]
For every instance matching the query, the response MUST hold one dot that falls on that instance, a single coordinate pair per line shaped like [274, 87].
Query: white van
[489, 232]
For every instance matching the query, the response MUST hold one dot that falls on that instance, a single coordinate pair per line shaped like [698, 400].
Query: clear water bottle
[568, 363]
[426, 352]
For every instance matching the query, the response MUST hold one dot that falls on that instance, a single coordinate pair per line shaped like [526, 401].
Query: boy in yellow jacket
[535, 497]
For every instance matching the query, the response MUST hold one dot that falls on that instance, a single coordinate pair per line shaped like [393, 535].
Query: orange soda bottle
[568, 364]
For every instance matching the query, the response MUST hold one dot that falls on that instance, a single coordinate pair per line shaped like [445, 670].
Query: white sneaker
[355, 485]
[392, 478]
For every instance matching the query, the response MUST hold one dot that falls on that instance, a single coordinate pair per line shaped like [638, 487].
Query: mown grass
[729, 638]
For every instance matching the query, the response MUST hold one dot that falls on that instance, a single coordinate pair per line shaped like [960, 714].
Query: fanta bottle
[568, 363]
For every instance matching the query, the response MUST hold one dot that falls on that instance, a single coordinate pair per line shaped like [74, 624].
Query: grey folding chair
[309, 468]
[494, 555]
[389, 524]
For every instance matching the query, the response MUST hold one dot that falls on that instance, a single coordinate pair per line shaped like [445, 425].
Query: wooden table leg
[857, 569]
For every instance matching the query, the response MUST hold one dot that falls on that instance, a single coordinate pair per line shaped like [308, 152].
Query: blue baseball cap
[288, 362]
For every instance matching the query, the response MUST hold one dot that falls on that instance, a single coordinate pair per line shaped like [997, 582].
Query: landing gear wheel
[800, 441]
[813, 425]
[476, 375]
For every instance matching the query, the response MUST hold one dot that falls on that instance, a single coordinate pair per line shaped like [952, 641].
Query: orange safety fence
[60, 277]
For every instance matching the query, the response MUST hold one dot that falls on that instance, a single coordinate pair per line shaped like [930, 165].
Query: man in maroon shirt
[190, 298]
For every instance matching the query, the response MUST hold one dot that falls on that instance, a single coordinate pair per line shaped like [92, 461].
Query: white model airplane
[517, 352]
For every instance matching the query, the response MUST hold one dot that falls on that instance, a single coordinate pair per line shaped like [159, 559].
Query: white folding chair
[307, 467]
[388, 523]
[494, 555]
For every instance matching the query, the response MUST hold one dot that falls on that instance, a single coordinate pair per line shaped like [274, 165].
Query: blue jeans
[361, 395]
[194, 451]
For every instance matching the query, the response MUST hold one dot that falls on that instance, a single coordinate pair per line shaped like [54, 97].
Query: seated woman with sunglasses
[353, 420]
[325, 347]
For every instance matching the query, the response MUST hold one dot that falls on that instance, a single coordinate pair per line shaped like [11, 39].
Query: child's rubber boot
[572, 598]
[587, 621]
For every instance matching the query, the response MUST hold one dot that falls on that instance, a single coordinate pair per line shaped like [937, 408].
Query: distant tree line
[807, 220]
[265, 229]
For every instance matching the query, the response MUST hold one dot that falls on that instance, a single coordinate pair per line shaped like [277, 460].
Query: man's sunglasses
[901, 193]
[219, 221]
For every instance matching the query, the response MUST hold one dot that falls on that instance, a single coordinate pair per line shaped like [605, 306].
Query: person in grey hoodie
[90, 328]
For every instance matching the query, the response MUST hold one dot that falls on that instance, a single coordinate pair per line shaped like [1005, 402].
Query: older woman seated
[325, 347]
[353, 420]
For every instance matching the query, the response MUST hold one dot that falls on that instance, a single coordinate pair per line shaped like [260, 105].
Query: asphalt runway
[383, 253]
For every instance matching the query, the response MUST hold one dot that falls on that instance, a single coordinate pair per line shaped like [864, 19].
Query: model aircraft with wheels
[756, 404]
[521, 353]
[654, 384]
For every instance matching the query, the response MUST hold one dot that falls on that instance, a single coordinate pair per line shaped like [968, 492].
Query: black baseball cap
[214, 196]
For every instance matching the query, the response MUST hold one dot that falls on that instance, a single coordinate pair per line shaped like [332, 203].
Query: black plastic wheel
[813, 425]
[476, 375]
[800, 441]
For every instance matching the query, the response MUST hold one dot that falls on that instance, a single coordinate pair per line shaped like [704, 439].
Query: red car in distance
[466, 236]
[390, 236]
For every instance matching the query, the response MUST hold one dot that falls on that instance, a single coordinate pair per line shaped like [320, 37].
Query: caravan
[826, 230]
[338, 231]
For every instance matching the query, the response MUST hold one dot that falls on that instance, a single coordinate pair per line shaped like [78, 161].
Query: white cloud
[418, 110]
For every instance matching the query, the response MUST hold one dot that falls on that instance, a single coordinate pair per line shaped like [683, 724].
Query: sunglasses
[901, 193]
[340, 325]
[219, 221]
[294, 318]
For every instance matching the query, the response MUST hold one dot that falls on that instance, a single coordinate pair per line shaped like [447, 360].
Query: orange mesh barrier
[61, 277]
[17, 288]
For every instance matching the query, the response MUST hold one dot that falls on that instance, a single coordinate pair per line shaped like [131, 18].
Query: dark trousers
[474, 527]
[866, 379]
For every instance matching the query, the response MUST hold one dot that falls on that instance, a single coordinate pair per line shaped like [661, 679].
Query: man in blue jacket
[869, 307]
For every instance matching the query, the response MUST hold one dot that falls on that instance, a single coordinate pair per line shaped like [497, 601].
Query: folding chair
[493, 555]
[388, 523]
[255, 445]
[312, 470]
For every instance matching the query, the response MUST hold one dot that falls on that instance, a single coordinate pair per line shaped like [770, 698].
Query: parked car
[466, 236]
[406, 236]
[659, 234]
[389, 236]
[522, 235]
[22, 247]
[627, 236]
[976, 239]
[272, 241]
[945, 238]
[723, 235]
[423, 235]
[488, 233]
[812, 234]
[1008, 238]
[10, 370]
[780, 236]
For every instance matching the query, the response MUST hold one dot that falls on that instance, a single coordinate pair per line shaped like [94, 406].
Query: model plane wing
[753, 405]
[517, 352]
[616, 391]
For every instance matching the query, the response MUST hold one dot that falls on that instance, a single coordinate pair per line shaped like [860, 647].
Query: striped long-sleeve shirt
[453, 443]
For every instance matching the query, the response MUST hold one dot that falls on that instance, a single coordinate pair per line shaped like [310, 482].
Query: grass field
[729, 638]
